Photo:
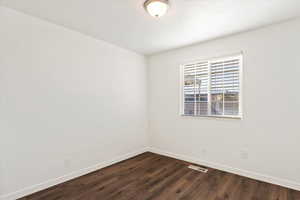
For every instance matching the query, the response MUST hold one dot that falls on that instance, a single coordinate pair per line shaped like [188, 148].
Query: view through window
[212, 87]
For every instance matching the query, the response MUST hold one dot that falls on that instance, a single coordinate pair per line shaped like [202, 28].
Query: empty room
[149, 99]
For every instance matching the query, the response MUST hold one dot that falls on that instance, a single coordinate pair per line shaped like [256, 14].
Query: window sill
[214, 116]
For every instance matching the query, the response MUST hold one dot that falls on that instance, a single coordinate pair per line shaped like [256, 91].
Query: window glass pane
[217, 104]
[189, 81]
[231, 96]
[202, 97]
[225, 87]
[195, 88]
[202, 108]
[231, 103]
[189, 108]
[189, 93]
[231, 108]
[189, 98]
[212, 87]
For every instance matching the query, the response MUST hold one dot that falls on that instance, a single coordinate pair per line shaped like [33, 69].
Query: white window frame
[232, 56]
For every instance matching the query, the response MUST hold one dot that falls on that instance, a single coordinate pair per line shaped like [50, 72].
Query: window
[212, 88]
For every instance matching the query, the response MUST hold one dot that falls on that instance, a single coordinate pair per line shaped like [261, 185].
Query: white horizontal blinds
[196, 88]
[212, 88]
[201, 89]
[225, 86]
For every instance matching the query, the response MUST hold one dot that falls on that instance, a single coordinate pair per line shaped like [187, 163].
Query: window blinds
[212, 88]
[196, 89]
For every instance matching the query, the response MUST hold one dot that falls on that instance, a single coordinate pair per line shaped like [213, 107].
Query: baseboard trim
[253, 175]
[49, 183]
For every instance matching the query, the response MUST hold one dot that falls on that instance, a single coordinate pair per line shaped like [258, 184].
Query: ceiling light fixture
[156, 8]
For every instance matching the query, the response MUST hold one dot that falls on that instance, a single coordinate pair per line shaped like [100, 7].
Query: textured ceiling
[126, 24]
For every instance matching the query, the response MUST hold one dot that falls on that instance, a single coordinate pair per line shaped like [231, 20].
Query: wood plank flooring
[154, 177]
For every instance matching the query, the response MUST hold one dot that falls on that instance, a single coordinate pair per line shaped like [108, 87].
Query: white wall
[269, 132]
[67, 102]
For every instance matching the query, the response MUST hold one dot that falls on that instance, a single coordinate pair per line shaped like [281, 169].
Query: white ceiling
[126, 24]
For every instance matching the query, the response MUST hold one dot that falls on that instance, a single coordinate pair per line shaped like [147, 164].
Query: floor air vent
[199, 169]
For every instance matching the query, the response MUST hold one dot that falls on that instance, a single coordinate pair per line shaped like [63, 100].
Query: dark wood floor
[154, 177]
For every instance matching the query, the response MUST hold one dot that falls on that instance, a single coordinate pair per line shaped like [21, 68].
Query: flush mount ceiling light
[156, 8]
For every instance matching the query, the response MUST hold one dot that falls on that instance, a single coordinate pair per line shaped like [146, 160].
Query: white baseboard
[67, 177]
[245, 173]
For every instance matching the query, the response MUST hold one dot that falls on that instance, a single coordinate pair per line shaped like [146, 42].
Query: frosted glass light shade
[156, 8]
